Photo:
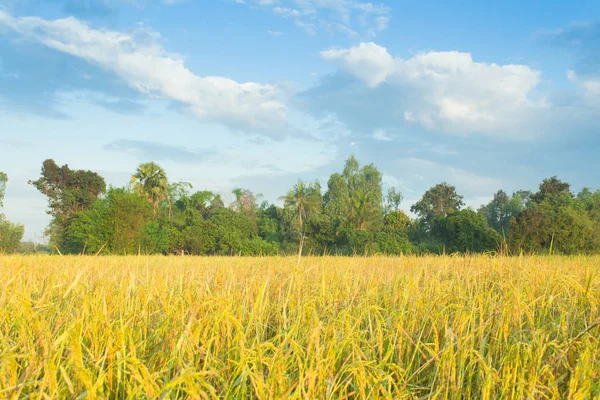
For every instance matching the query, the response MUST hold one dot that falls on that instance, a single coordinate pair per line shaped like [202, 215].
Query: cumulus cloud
[368, 62]
[144, 65]
[588, 87]
[349, 17]
[382, 135]
[446, 91]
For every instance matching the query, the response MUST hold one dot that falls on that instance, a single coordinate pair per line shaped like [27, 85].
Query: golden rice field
[329, 328]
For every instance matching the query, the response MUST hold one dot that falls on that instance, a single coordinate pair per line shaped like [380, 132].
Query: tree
[150, 180]
[366, 195]
[465, 230]
[69, 192]
[3, 181]
[10, 235]
[392, 200]
[303, 199]
[115, 224]
[439, 201]
[245, 201]
[354, 198]
[551, 187]
[498, 212]
[393, 237]
[557, 221]
[198, 206]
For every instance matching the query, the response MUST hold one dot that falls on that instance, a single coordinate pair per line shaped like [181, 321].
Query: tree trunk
[300, 248]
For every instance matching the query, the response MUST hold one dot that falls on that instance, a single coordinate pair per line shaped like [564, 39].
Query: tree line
[352, 215]
[10, 233]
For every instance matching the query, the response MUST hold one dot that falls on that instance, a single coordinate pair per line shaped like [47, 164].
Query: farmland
[326, 327]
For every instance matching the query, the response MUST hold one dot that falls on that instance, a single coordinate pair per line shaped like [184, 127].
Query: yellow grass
[184, 327]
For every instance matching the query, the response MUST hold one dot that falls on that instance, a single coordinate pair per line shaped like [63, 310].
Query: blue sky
[259, 93]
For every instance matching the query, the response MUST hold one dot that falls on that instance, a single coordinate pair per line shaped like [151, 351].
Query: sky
[260, 93]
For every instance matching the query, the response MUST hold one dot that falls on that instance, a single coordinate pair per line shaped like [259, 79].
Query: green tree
[392, 200]
[393, 237]
[150, 180]
[438, 202]
[498, 212]
[465, 231]
[303, 200]
[354, 199]
[69, 192]
[198, 206]
[551, 187]
[557, 220]
[10, 235]
[3, 181]
[116, 224]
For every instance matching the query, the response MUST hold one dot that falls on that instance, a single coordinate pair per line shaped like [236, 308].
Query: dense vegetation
[352, 215]
[10, 234]
[144, 327]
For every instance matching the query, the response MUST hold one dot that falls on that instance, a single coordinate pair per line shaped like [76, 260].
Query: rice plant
[448, 327]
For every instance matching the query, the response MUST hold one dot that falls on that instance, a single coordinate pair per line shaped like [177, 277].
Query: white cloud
[350, 17]
[144, 65]
[589, 86]
[286, 12]
[382, 135]
[368, 62]
[448, 90]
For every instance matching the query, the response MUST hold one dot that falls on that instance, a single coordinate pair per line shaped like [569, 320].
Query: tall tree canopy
[10, 234]
[353, 216]
[303, 199]
[150, 180]
[3, 180]
[439, 201]
[356, 196]
[552, 187]
[68, 191]
[498, 212]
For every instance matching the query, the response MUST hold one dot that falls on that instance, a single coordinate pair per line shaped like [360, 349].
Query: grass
[267, 328]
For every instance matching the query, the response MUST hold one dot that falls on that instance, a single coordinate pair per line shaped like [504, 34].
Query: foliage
[69, 192]
[150, 180]
[352, 216]
[354, 198]
[558, 223]
[10, 235]
[549, 188]
[465, 231]
[498, 212]
[3, 180]
[437, 202]
[115, 224]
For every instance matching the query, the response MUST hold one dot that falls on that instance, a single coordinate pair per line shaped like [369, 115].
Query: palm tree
[303, 199]
[151, 181]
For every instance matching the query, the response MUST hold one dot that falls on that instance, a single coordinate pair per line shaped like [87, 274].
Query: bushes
[465, 231]
[10, 235]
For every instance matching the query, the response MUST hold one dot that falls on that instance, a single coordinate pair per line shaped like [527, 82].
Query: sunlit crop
[267, 328]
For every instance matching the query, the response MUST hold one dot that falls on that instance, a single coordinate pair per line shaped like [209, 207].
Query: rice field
[449, 327]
